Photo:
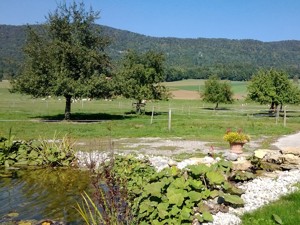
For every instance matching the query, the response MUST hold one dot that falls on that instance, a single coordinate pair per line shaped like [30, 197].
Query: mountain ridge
[234, 59]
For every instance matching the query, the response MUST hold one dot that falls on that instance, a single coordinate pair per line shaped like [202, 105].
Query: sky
[264, 20]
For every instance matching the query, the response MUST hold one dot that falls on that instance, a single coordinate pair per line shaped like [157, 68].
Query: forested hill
[185, 57]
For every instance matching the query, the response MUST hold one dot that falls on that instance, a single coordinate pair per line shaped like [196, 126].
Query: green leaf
[233, 199]
[214, 193]
[162, 214]
[162, 206]
[199, 217]
[179, 183]
[205, 193]
[145, 206]
[185, 213]
[277, 219]
[176, 196]
[174, 211]
[195, 184]
[198, 169]
[194, 196]
[215, 177]
[33, 154]
[154, 189]
[207, 216]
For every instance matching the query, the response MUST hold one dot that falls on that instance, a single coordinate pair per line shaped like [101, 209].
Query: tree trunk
[68, 107]
[217, 105]
[138, 107]
[272, 108]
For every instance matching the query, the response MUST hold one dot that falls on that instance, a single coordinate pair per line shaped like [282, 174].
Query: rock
[261, 153]
[241, 164]
[291, 150]
[291, 159]
[289, 166]
[194, 161]
[274, 157]
[230, 156]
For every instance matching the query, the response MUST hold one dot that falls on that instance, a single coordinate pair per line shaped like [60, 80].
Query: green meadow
[238, 87]
[30, 118]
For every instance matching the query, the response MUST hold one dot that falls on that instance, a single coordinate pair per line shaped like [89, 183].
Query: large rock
[230, 156]
[274, 157]
[291, 159]
[261, 153]
[291, 150]
[241, 164]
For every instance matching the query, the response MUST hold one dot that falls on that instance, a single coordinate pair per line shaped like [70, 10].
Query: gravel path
[292, 140]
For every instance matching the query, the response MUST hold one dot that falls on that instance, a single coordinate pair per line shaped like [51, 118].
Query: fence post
[151, 121]
[277, 114]
[284, 118]
[170, 118]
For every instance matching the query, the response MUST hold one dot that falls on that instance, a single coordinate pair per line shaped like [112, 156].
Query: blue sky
[264, 20]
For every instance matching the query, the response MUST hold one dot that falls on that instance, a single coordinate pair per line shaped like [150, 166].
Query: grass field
[191, 119]
[239, 88]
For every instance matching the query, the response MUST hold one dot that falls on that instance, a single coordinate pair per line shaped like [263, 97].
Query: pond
[46, 193]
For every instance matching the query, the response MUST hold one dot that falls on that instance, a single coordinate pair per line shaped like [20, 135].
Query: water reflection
[44, 193]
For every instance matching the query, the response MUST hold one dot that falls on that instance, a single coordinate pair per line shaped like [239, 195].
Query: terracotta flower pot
[237, 147]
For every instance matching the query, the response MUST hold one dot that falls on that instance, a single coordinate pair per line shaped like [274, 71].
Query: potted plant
[236, 139]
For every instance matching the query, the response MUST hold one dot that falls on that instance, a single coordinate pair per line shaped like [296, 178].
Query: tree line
[184, 58]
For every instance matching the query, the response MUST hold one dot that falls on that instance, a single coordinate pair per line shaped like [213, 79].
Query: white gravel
[258, 193]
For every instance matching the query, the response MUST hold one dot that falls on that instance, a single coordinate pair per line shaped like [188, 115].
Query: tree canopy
[66, 57]
[216, 91]
[273, 87]
[141, 75]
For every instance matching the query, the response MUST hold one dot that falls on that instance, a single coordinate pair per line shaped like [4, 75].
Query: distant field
[239, 88]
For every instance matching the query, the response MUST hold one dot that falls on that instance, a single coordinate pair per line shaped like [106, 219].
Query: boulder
[274, 157]
[230, 156]
[291, 159]
[241, 164]
[291, 150]
[261, 153]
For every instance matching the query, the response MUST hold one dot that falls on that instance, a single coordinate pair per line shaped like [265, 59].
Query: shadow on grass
[289, 114]
[145, 113]
[217, 109]
[85, 117]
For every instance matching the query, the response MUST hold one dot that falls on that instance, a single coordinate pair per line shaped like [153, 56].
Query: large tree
[141, 75]
[65, 58]
[273, 87]
[217, 91]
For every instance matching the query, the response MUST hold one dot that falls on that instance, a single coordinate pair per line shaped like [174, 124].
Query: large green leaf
[185, 213]
[233, 199]
[174, 211]
[194, 196]
[195, 184]
[277, 219]
[176, 196]
[154, 189]
[207, 216]
[198, 169]
[179, 183]
[146, 206]
[215, 177]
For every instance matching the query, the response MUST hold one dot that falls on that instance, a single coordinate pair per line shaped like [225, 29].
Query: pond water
[43, 194]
